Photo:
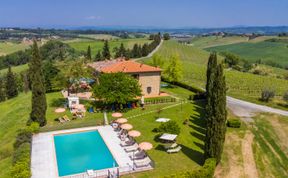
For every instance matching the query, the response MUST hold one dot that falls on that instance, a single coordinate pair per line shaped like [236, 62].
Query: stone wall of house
[150, 83]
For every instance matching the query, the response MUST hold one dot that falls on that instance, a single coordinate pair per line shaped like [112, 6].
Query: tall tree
[88, 54]
[11, 84]
[166, 36]
[50, 71]
[121, 51]
[106, 51]
[136, 51]
[174, 70]
[157, 60]
[216, 113]
[2, 90]
[39, 104]
[98, 56]
[145, 50]
[117, 88]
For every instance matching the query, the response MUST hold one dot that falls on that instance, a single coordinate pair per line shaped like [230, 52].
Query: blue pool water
[78, 152]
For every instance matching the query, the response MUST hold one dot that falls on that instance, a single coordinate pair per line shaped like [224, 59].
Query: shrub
[34, 127]
[21, 170]
[234, 123]
[207, 171]
[24, 136]
[267, 94]
[285, 96]
[169, 127]
[22, 153]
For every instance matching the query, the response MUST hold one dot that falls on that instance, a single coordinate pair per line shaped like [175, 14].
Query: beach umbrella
[121, 120]
[145, 146]
[60, 110]
[134, 133]
[117, 114]
[126, 126]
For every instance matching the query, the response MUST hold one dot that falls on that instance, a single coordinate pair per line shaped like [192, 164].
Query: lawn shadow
[58, 102]
[198, 120]
[200, 145]
[197, 135]
[160, 147]
[194, 155]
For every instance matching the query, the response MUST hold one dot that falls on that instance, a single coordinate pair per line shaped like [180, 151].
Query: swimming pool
[78, 152]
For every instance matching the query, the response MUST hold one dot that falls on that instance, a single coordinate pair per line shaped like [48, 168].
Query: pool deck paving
[43, 155]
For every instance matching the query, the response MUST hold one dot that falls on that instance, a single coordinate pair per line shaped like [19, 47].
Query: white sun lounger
[131, 148]
[138, 155]
[142, 162]
[174, 150]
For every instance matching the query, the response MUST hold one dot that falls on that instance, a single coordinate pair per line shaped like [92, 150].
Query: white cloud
[92, 17]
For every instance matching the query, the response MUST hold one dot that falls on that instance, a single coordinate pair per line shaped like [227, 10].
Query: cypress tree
[106, 51]
[216, 113]
[39, 105]
[98, 56]
[88, 54]
[134, 52]
[50, 71]
[2, 90]
[121, 51]
[11, 84]
[145, 50]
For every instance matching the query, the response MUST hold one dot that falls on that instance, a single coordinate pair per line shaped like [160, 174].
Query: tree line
[136, 52]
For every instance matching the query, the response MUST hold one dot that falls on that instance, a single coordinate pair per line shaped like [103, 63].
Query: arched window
[149, 90]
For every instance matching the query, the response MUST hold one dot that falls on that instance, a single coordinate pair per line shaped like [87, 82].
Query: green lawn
[98, 45]
[241, 85]
[266, 51]
[10, 47]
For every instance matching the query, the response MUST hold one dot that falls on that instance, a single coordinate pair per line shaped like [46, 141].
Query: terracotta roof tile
[120, 65]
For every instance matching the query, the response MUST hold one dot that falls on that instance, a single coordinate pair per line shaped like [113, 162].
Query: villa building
[149, 77]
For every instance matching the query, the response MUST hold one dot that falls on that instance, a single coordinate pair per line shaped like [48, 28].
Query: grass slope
[240, 85]
[14, 114]
[10, 47]
[16, 69]
[98, 45]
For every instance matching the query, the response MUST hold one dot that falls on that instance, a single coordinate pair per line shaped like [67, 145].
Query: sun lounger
[61, 120]
[131, 148]
[174, 150]
[127, 143]
[138, 155]
[174, 145]
[66, 118]
[142, 162]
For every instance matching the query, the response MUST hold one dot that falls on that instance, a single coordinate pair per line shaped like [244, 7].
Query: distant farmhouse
[149, 77]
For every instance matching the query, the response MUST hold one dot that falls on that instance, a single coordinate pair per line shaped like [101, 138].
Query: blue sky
[160, 13]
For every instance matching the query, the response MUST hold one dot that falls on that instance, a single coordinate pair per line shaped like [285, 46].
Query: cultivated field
[98, 45]
[268, 52]
[211, 41]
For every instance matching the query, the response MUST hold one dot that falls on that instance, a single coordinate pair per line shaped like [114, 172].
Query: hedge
[22, 152]
[234, 123]
[199, 92]
[207, 171]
